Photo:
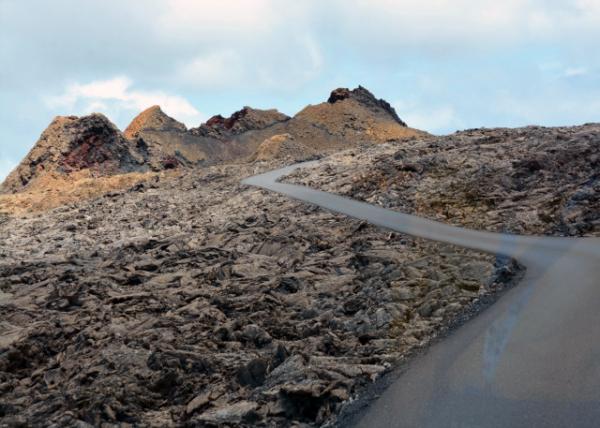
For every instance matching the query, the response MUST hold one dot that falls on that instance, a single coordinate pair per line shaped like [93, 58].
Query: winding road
[530, 360]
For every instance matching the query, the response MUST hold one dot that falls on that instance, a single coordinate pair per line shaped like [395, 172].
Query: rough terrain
[160, 291]
[199, 301]
[531, 180]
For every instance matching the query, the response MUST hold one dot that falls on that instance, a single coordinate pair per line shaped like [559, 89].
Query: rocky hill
[347, 119]
[165, 143]
[152, 119]
[72, 148]
[70, 145]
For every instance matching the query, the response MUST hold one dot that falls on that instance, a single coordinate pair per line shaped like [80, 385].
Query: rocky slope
[71, 144]
[165, 143]
[282, 146]
[359, 116]
[196, 301]
[183, 298]
[529, 181]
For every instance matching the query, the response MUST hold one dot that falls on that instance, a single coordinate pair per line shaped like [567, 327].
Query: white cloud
[315, 56]
[575, 71]
[114, 97]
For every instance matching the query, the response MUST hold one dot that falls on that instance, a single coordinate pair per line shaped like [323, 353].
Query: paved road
[530, 360]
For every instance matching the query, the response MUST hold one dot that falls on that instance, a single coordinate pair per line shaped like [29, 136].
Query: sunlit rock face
[152, 119]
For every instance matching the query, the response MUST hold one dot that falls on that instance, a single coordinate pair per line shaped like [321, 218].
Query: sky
[444, 65]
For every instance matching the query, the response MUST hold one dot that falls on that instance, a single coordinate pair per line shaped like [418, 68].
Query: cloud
[567, 108]
[220, 55]
[284, 65]
[575, 71]
[115, 98]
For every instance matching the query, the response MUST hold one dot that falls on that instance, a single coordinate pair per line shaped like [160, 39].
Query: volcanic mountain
[91, 146]
[348, 118]
[72, 144]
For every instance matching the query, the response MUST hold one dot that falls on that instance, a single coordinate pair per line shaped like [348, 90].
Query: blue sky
[444, 64]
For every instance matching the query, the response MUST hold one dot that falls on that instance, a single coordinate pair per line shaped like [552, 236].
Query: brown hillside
[152, 119]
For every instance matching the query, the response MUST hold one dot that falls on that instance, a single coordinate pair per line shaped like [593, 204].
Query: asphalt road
[530, 360]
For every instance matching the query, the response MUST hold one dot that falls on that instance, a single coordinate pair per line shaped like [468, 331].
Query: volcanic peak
[364, 97]
[153, 119]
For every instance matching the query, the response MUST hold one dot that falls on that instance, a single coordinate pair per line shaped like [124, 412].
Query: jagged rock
[253, 373]
[242, 412]
[357, 116]
[339, 94]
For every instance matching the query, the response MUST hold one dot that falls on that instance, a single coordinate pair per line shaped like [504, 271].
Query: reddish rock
[246, 119]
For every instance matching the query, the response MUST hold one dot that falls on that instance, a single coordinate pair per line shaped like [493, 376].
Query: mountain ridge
[92, 146]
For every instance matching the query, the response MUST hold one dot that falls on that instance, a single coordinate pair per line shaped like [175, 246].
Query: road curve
[532, 359]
